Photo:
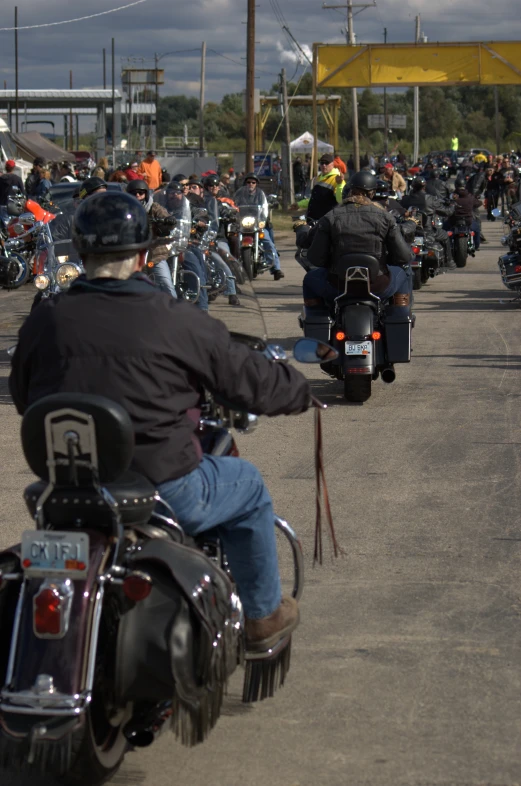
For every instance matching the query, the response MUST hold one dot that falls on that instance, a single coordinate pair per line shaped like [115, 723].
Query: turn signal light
[376, 335]
[261, 235]
[340, 336]
[137, 586]
[47, 613]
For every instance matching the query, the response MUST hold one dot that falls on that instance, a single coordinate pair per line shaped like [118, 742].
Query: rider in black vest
[429, 206]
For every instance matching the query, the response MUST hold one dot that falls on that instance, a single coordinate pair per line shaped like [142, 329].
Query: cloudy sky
[47, 54]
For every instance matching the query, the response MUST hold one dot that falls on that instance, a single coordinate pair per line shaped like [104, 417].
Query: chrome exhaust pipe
[388, 375]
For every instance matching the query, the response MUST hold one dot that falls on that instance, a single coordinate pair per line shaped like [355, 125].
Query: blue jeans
[228, 495]
[230, 278]
[162, 276]
[316, 285]
[272, 258]
[193, 261]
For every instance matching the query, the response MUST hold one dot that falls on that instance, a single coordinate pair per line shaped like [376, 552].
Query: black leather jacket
[437, 188]
[358, 226]
[427, 204]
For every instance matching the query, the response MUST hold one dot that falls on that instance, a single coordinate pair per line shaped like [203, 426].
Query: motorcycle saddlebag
[9, 592]
[397, 340]
[316, 323]
[173, 645]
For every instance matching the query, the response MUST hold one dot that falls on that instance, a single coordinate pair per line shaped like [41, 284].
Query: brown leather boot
[264, 633]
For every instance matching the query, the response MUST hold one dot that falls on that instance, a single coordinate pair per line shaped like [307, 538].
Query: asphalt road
[406, 668]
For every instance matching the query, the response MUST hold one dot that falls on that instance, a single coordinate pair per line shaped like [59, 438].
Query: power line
[242, 65]
[78, 19]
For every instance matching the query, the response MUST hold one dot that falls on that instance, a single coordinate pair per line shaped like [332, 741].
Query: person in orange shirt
[150, 171]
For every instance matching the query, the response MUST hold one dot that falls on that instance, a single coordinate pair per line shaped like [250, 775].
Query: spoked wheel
[417, 278]
[357, 388]
[247, 262]
[460, 251]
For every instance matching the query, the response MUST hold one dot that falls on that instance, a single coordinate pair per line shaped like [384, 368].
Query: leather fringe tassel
[265, 675]
[322, 491]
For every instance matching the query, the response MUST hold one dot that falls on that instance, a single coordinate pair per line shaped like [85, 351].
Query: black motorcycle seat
[133, 493]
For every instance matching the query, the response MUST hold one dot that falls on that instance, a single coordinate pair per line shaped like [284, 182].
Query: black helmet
[111, 221]
[138, 185]
[174, 187]
[91, 185]
[363, 180]
[251, 176]
[383, 190]
[460, 183]
[212, 180]
[418, 183]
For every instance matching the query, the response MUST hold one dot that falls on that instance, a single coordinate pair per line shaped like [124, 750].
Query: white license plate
[364, 348]
[418, 241]
[54, 553]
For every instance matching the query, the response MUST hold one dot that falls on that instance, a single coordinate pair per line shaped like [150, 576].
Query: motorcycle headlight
[262, 224]
[248, 222]
[41, 282]
[65, 275]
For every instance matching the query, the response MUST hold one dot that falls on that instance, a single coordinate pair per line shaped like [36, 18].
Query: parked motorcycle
[369, 341]
[510, 263]
[115, 624]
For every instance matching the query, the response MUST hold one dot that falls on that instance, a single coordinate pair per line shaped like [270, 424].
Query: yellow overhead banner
[410, 65]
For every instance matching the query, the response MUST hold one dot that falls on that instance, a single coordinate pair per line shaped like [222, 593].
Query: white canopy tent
[304, 144]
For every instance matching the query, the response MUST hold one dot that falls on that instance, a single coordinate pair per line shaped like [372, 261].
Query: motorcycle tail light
[247, 240]
[415, 249]
[517, 269]
[364, 370]
[48, 613]
[340, 336]
[137, 586]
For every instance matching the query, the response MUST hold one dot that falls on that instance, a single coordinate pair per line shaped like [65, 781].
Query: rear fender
[358, 324]
[69, 660]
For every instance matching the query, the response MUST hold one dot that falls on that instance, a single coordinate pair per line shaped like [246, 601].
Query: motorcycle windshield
[179, 207]
[251, 217]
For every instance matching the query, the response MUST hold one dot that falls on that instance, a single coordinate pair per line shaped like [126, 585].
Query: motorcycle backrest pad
[103, 432]
[357, 260]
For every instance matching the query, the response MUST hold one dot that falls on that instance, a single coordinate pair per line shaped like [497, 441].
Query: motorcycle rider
[173, 198]
[197, 200]
[252, 194]
[359, 225]
[436, 187]
[429, 205]
[157, 264]
[117, 336]
[326, 190]
[37, 185]
[466, 204]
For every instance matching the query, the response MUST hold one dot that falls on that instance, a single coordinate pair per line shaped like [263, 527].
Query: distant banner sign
[393, 121]
[262, 165]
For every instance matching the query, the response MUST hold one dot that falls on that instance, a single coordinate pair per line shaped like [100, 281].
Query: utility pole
[386, 119]
[104, 69]
[416, 146]
[16, 63]
[201, 98]
[113, 106]
[154, 142]
[71, 118]
[351, 42]
[496, 108]
[250, 87]
[287, 170]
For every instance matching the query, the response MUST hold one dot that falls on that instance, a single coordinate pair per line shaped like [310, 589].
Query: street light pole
[250, 86]
[16, 63]
[201, 98]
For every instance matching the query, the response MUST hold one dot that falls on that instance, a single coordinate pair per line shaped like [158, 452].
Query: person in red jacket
[131, 171]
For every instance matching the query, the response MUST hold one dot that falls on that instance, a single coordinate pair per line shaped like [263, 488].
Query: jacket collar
[360, 199]
[136, 284]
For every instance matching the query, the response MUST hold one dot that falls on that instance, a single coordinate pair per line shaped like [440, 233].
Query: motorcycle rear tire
[417, 278]
[357, 388]
[424, 274]
[99, 747]
[460, 251]
[247, 262]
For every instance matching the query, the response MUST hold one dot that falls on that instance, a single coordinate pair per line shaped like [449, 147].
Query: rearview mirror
[310, 350]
